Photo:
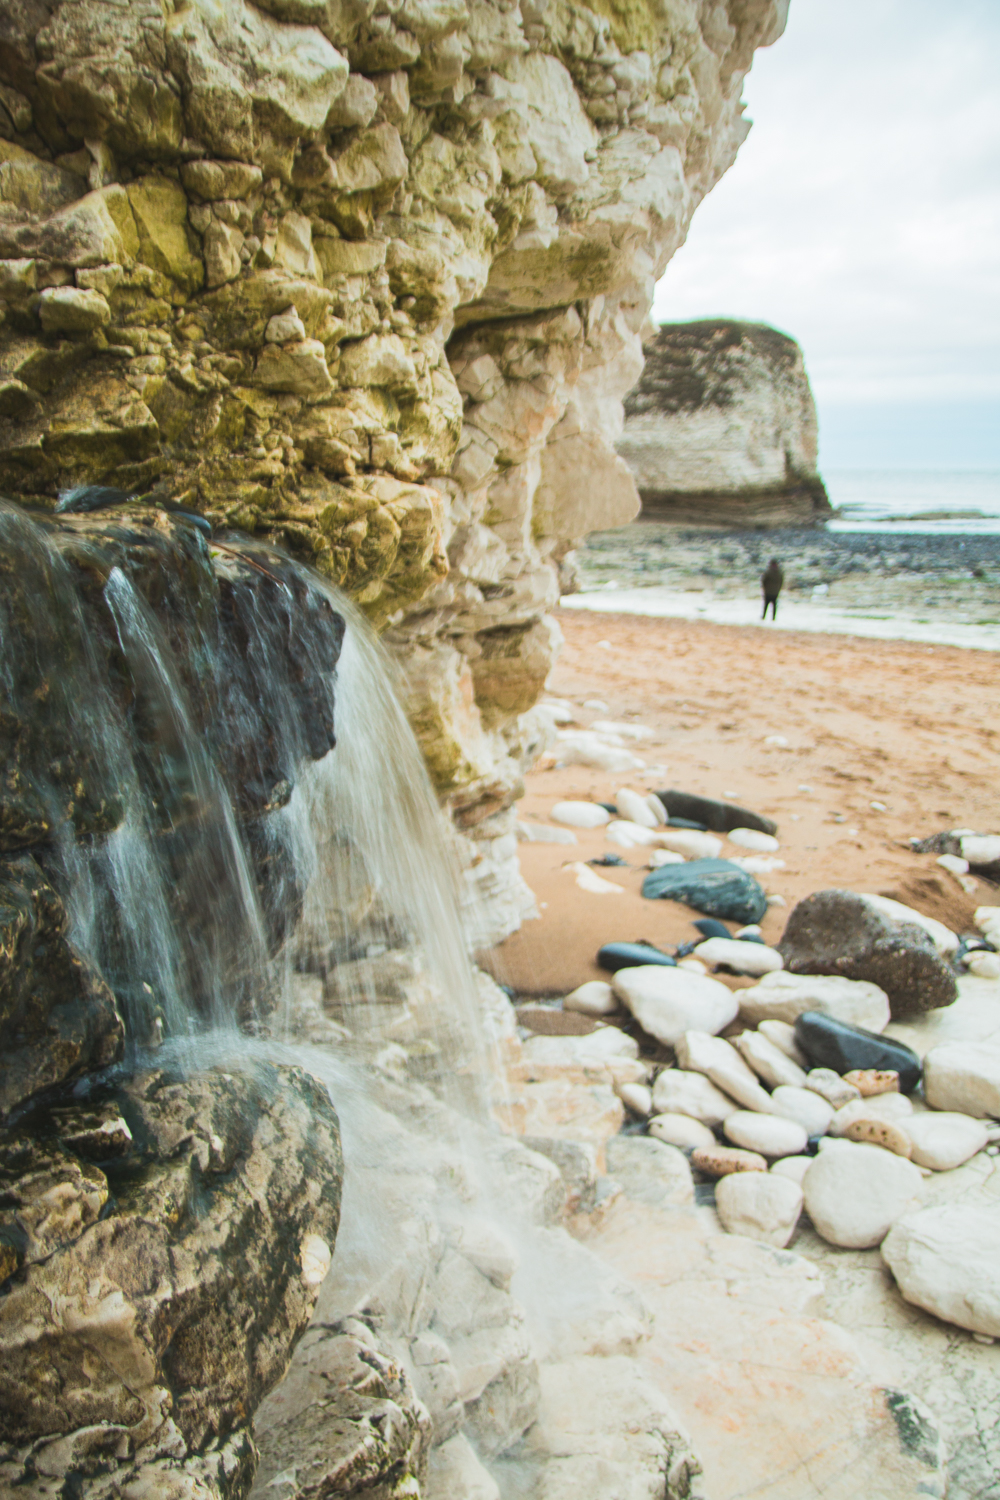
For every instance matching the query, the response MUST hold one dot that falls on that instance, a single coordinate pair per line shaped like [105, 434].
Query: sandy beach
[906, 725]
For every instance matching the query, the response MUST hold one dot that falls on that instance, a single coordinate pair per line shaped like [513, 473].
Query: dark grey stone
[720, 817]
[714, 886]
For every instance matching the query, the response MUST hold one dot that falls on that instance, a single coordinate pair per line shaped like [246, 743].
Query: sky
[862, 216]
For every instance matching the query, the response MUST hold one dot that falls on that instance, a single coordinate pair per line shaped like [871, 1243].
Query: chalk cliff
[365, 278]
[721, 428]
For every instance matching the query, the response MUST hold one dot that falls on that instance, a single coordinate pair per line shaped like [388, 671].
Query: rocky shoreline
[930, 575]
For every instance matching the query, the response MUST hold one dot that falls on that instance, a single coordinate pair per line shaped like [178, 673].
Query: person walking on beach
[770, 581]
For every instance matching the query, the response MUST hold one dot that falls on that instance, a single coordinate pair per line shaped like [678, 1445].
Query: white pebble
[889, 1107]
[746, 958]
[682, 1131]
[660, 857]
[831, 1087]
[541, 833]
[589, 880]
[752, 838]
[981, 849]
[878, 807]
[771, 1135]
[580, 814]
[776, 739]
[945, 1261]
[692, 965]
[689, 842]
[657, 808]
[759, 1206]
[628, 835]
[596, 705]
[775, 900]
[636, 1097]
[769, 1062]
[944, 1141]
[854, 1194]
[753, 930]
[805, 1107]
[781, 1035]
[953, 862]
[983, 965]
[719, 1061]
[792, 1167]
[595, 998]
[964, 1077]
[634, 807]
[677, 1091]
[669, 1001]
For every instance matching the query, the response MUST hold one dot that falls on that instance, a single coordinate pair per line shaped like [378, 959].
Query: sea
[914, 500]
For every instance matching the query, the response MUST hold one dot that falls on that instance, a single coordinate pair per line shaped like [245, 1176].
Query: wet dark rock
[707, 812]
[610, 861]
[615, 956]
[714, 886]
[710, 928]
[838, 932]
[58, 1017]
[209, 1237]
[829, 1043]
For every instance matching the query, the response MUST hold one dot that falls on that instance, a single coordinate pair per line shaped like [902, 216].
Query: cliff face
[365, 278]
[721, 428]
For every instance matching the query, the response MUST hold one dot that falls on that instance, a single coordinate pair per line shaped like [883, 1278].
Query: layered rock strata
[721, 428]
[366, 281]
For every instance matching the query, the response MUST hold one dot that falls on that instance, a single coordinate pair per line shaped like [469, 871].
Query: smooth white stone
[660, 857]
[752, 930]
[682, 1131]
[792, 1167]
[657, 808]
[677, 1091]
[771, 1135]
[981, 848]
[595, 998]
[689, 842]
[667, 1002]
[596, 705]
[752, 838]
[768, 1061]
[629, 835]
[633, 807]
[987, 919]
[701, 1053]
[745, 958]
[984, 965]
[650, 1171]
[831, 1087]
[760, 1206]
[945, 1260]
[593, 1051]
[783, 997]
[890, 1107]
[803, 1106]
[964, 1077]
[589, 880]
[541, 833]
[944, 940]
[691, 964]
[637, 1097]
[953, 862]
[944, 1141]
[756, 864]
[580, 814]
[782, 1036]
[854, 1194]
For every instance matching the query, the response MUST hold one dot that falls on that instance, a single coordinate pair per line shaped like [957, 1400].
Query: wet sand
[911, 726]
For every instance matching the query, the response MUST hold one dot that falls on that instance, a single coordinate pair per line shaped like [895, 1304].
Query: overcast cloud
[863, 217]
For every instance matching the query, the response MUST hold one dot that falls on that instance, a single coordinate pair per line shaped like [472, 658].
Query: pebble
[987, 919]
[954, 863]
[681, 1131]
[872, 1081]
[751, 931]
[615, 956]
[637, 1097]
[945, 1260]
[984, 965]
[854, 1194]
[719, 1161]
[660, 857]
[667, 1002]
[744, 957]
[792, 1167]
[596, 705]
[752, 838]
[589, 880]
[771, 1135]
[759, 1206]
[831, 1087]
[650, 1171]
[782, 1036]
[829, 1043]
[719, 1061]
[981, 848]
[692, 965]
[580, 814]
[768, 1061]
[657, 808]
[783, 997]
[713, 886]
[964, 1077]
[635, 809]
[805, 1107]
[629, 835]
[595, 998]
[692, 845]
[541, 833]
[888, 1107]
[944, 1141]
[677, 1091]
[880, 1133]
